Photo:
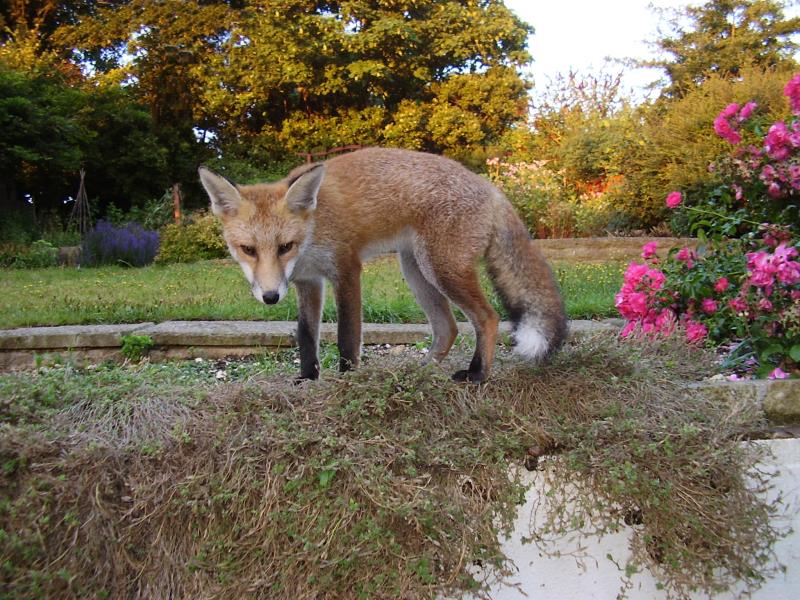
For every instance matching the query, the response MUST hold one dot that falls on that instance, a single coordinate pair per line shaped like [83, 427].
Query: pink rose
[637, 301]
[695, 332]
[649, 249]
[738, 305]
[629, 328]
[746, 111]
[686, 255]
[657, 279]
[765, 305]
[721, 285]
[792, 90]
[774, 190]
[776, 142]
[723, 126]
[709, 306]
[674, 199]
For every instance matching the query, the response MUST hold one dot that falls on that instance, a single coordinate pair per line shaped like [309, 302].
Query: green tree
[50, 128]
[720, 37]
[297, 75]
[40, 139]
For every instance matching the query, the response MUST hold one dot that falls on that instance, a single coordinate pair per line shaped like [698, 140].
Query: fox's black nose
[270, 297]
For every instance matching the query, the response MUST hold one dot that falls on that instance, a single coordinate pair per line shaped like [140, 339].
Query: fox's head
[266, 225]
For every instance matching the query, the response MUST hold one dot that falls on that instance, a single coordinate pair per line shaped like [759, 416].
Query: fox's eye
[249, 250]
[284, 248]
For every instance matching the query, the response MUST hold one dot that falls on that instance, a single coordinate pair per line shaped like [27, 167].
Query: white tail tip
[529, 341]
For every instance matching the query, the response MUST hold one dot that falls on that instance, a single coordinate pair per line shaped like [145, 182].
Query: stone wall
[606, 249]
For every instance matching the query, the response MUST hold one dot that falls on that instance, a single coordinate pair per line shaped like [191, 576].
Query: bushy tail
[527, 287]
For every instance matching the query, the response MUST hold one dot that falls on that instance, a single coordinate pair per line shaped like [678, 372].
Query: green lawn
[217, 290]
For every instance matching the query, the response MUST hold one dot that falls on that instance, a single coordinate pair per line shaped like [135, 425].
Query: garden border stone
[607, 249]
[68, 336]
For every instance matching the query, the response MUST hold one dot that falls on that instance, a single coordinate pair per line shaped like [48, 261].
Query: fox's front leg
[309, 300]
[348, 309]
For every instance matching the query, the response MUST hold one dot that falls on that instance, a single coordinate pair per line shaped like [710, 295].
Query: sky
[580, 34]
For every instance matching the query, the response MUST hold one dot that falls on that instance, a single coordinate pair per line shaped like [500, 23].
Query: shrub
[199, 239]
[130, 245]
[740, 292]
[40, 254]
[154, 214]
[548, 206]
[742, 287]
[676, 142]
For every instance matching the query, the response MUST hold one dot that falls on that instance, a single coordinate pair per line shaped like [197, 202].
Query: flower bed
[740, 288]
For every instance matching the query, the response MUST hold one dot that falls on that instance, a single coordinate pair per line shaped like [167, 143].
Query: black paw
[470, 376]
[306, 377]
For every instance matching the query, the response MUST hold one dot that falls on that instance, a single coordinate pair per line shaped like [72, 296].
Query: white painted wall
[540, 577]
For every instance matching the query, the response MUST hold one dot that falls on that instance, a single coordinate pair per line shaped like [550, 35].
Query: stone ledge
[604, 249]
[779, 399]
[230, 333]
[68, 336]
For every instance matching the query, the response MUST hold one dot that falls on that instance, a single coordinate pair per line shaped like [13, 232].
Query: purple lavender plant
[131, 245]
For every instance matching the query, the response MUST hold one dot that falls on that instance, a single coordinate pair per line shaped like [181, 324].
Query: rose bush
[741, 287]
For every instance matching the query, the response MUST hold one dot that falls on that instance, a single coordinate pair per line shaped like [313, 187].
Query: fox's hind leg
[460, 284]
[433, 303]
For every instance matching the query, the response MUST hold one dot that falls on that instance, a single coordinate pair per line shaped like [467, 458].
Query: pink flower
[665, 322]
[723, 127]
[738, 304]
[721, 285]
[784, 252]
[685, 254]
[649, 250]
[777, 143]
[765, 305]
[709, 306]
[674, 199]
[729, 110]
[629, 328]
[792, 90]
[746, 111]
[657, 279]
[778, 373]
[734, 377]
[695, 332]
[637, 303]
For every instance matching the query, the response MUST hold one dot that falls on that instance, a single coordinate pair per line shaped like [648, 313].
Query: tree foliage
[50, 129]
[297, 75]
[720, 37]
[132, 87]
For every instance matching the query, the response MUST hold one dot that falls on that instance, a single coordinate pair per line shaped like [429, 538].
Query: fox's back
[376, 192]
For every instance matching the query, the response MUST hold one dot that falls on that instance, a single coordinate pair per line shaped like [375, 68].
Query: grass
[217, 290]
[391, 481]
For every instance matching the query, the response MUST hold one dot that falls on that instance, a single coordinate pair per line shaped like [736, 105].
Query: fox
[324, 220]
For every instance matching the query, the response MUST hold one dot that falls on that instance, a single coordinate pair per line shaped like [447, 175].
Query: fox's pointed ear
[304, 185]
[225, 198]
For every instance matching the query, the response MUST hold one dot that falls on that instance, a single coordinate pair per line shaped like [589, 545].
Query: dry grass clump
[388, 482]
